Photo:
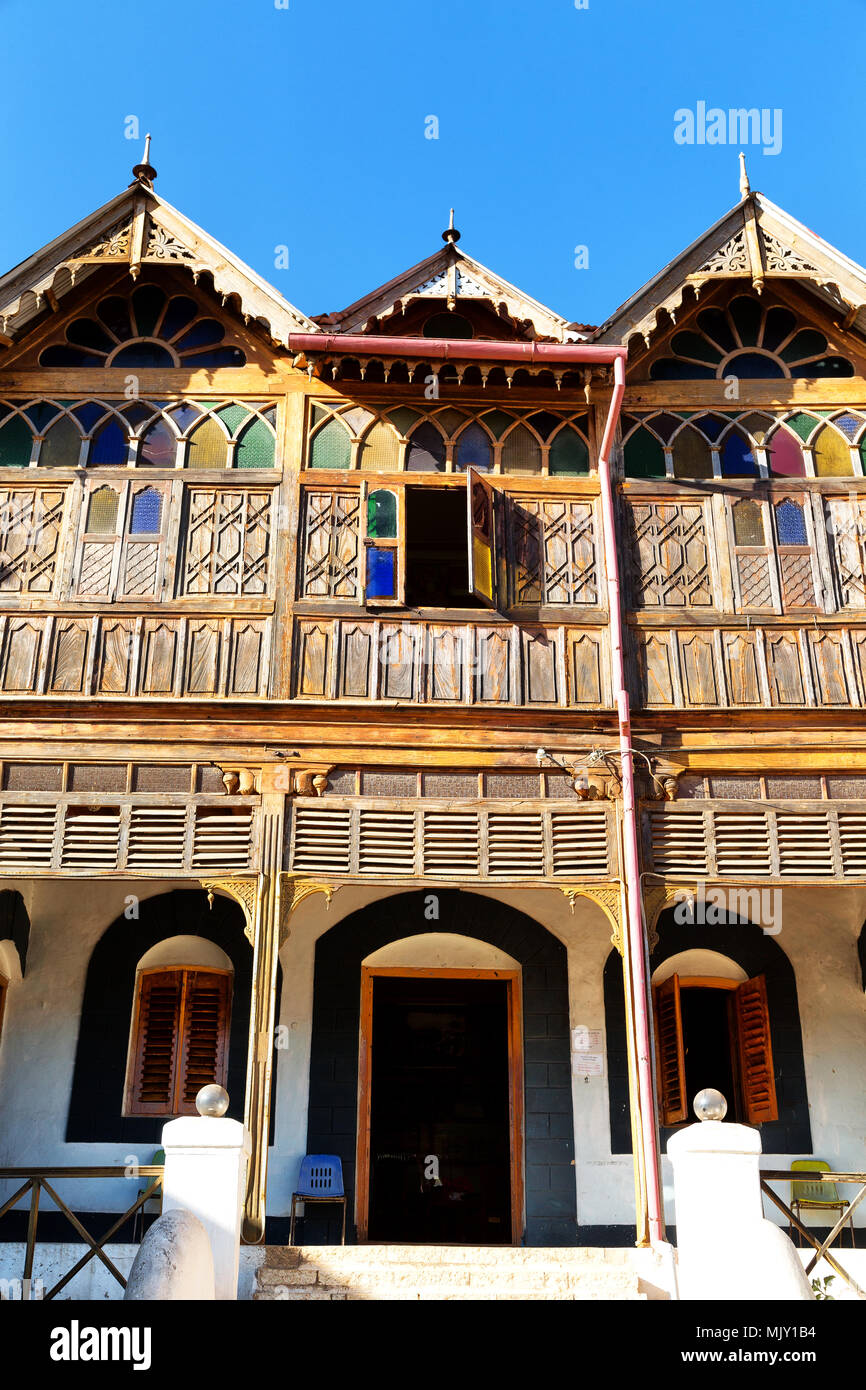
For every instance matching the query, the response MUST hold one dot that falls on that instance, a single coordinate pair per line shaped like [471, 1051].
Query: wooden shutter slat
[156, 1040]
[755, 1051]
[205, 1046]
[670, 1053]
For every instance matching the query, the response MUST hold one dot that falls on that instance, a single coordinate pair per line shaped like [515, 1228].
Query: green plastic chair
[816, 1196]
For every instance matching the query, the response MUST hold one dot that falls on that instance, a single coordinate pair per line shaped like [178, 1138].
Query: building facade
[438, 722]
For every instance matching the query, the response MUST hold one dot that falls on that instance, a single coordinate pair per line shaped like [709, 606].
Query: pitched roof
[452, 275]
[755, 240]
[139, 228]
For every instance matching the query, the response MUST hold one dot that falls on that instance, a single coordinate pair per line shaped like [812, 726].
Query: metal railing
[36, 1182]
[822, 1249]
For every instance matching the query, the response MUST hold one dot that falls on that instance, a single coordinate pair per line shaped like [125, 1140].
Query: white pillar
[725, 1247]
[205, 1173]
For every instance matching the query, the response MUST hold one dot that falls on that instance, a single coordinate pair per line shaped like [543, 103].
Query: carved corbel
[660, 780]
[609, 899]
[655, 900]
[293, 892]
[241, 781]
[243, 890]
[293, 780]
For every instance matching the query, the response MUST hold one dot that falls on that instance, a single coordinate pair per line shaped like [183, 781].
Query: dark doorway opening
[707, 1046]
[440, 1135]
[437, 556]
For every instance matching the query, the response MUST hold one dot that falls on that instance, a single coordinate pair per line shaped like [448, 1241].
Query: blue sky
[305, 126]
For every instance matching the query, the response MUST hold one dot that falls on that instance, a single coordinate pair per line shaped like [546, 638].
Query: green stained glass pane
[331, 447]
[61, 446]
[382, 515]
[320, 412]
[16, 442]
[691, 455]
[568, 454]
[521, 452]
[102, 512]
[644, 456]
[232, 416]
[451, 420]
[497, 422]
[255, 447]
[403, 418]
[802, 424]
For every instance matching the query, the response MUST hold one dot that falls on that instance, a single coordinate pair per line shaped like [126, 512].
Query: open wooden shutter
[205, 1034]
[383, 531]
[755, 1051]
[156, 1037]
[481, 529]
[673, 1103]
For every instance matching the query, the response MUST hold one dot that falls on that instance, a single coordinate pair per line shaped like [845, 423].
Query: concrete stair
[450, 1273]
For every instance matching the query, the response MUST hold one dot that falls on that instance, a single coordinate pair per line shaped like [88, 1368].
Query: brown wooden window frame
[180, 1038]
[775, 552]
[751, 1060]
[122, 540]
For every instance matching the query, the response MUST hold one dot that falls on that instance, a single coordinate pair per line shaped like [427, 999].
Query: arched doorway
[479, 1024]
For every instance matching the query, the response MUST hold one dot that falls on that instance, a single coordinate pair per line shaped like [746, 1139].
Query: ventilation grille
[742, 844]
[94, 838]
[156, 835]
[805, 847]
[444, 843]
[852, 834]
[27, 835]
[679, 843]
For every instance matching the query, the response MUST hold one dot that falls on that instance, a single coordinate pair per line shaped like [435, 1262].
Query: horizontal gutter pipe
[453, 349]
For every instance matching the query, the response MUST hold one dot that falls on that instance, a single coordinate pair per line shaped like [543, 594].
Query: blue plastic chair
[321, 1180]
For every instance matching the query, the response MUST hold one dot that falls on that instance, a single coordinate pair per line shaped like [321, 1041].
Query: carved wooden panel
[784, 669]
[159, 656]
[832, 683]
[552, 552]
[248, 657]
[657, 670]
[330, 560]
[313, 649]
[447, 661]
[31, 523]
[70, 648]
[669, 552]
[227, 542]
[400, 646]
[356, 660]
[541, 684]
[203, 653]
[847, 533]
[494, 665]
[697, 663]
[586, 662]
[22, 649]
[741, 668]
[114, 658]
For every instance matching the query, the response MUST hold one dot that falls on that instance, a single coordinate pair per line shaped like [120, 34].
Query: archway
[549, 1204]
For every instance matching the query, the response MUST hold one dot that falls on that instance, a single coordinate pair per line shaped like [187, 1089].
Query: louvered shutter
[480, 516]
[670, 1054]
[205, 1035]
[755, 1051]
[156, 1043]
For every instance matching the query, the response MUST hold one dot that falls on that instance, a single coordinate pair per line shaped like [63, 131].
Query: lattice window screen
[670, 557]
[31, 524]
[228, 536]
[330, 567]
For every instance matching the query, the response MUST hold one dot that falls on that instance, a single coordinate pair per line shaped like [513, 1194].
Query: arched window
[521, 452]
[146, 512]
[158, 447]
[380, 451]
[179, 1041]
[748, 523]
[16, 443]
[473, 450]
[108, 447]
[644, 456]
[738, 459]
[832, 455]
[447, 325]
[785, 455]
[102, 512]
[208, 446]
[745, 340]
[331, 446]
[255, 448]
[145, 329]
[381, 532]
[790, 523]
[61, 446]
[691, 455]
[426, 453]
[569, 455]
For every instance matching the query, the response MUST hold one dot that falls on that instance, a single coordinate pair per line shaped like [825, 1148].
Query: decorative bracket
[609, 899]
[293, 892]
[655, 900]
[244, 891]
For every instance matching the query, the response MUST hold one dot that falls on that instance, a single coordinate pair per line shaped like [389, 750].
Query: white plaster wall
[819, 935]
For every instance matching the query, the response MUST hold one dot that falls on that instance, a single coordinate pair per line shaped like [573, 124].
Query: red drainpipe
[466, 350]
[634, 937]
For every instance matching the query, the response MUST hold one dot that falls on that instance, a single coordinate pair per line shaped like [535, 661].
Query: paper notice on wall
[586, 1039]
[588, 1064]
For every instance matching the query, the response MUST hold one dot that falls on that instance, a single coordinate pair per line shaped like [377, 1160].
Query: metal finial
[145, 172]
[451, 233]
[745, 186]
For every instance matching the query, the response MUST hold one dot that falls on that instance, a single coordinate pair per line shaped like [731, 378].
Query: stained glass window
[644, 455]
[521, 452]
[208, 446]
[569, 455]
[380, 450]
[102, 512]
[474, 450]
[382, 515]
[790, 523]
[748, 523]
[147, 330]
[832, 455]
[331, 447]
[158, 448]
[785, 455]
[426, 453]
[61, 446]
[108, 448]
[691, 455]
[381, 573]
[255, 448]
[16, 443]
[146, 513]
[738, 460]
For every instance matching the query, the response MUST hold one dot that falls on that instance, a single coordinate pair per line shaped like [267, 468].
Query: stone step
[445, 1294]
[285, 1256]
[456, 1276]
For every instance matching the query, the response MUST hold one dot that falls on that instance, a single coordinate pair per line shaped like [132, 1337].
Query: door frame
[514, 996]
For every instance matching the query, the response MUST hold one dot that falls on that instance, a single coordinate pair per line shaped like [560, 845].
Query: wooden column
[266, 945]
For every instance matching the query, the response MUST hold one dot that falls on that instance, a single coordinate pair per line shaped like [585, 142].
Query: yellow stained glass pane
[748, 524]
[481, 567]
[207, 446]
[832, 455]
[102, 512]
[380, 449]
[692, 457]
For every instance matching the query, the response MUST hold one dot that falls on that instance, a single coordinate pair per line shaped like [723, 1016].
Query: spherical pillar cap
[212, 1101]
[710, 1105]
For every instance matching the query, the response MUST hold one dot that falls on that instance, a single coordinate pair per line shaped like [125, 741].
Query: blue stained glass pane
[109, 447]
[184, 416]
[738, 461]
[381, 573]
[146, 511]
[848, 424]
[711, 426]
[88, 414]
[790, 524]
[40, 414]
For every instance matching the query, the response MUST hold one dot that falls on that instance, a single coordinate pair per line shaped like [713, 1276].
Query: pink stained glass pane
[785, 455]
